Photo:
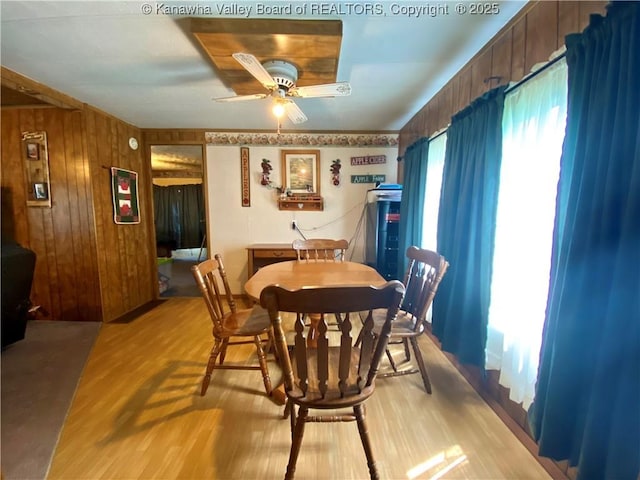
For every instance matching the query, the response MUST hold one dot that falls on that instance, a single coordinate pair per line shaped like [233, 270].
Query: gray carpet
[39, 379]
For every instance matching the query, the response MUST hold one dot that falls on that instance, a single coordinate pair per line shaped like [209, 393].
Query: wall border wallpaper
[315, 139]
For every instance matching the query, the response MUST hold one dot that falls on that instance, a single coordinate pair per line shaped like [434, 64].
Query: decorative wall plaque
[368, 178]
[124, 189]
[36, 162]
[244, 173]
[369, 160]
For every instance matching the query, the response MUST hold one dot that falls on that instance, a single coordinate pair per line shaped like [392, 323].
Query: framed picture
[40, 191]
[301, 171]
[124, 189]
[36, 166]
[32, 151]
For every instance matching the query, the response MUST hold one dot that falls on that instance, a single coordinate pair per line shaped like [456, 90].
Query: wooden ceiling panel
[266, 26]
[313, 46]
[318, 65]
[317, 46]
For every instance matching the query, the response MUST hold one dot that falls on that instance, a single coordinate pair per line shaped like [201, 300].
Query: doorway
[179, 215]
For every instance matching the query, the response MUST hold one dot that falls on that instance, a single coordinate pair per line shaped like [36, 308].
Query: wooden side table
[261, 254]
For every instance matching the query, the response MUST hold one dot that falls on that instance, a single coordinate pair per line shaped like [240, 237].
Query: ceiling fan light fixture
[279, 78]
[278, 109]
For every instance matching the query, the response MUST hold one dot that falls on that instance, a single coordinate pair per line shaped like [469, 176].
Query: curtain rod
[507, 90]
[534, 74]
[438, 134]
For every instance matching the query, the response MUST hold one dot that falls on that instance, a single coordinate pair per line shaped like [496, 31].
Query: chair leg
[358, 410]
[215, 350]
[292, 416]
[407, 352]
[223, 350]
[421, 366]
[391, 361]
[271, 345]
[262, 359]
[296, 442]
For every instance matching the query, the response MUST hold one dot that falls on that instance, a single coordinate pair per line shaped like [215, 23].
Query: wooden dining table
[296, 274]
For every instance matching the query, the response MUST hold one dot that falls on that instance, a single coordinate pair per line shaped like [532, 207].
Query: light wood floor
[138, 414]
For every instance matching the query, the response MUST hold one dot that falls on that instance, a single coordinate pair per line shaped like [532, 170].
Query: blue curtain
[587, 402]
[466, 226]
[412, 202]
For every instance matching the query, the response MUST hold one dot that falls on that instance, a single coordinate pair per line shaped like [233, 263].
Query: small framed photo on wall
[33, 151]
[40, 191]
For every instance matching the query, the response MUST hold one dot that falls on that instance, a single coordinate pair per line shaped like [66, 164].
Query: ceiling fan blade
[255, 68]
[240, 98]
[294, 113]
[340, 89]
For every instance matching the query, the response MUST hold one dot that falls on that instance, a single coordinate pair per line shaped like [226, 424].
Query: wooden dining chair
[422, 278]
[231, 325]
[336, 375]
[320, 249]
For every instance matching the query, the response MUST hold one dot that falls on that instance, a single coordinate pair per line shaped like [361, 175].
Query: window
[435, 167]
[533, 129]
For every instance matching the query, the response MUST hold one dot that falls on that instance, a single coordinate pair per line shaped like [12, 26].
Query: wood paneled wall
[534, 34]
[160, 136]
[88, 268]
[126, 254]
[66, 282]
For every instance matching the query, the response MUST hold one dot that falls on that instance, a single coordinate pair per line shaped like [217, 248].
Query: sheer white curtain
[435, 167]
[533, 129]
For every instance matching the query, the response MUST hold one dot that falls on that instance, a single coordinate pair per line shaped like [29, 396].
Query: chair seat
[333, 397]
[403, 326]
[247, 322]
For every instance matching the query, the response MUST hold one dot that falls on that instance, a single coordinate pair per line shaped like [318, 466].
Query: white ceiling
[149, 71]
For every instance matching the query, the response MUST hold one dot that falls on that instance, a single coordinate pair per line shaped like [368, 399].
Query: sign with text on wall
[369, 160]
[244, 171]
[368, 178]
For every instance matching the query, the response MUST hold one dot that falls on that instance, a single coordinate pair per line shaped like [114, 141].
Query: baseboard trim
[138, 311]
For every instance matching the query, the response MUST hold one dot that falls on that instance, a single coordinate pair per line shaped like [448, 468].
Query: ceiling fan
[279, 78]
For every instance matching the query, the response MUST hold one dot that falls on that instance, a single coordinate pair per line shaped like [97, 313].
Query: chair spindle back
[320, 249]
[422, 278]
[335, 369]
[211, 278]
